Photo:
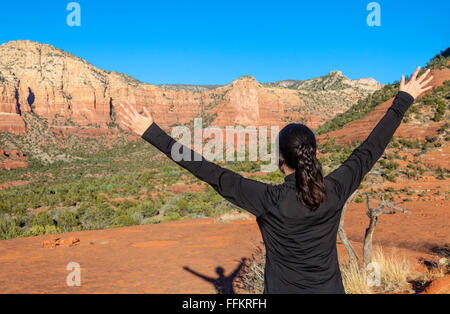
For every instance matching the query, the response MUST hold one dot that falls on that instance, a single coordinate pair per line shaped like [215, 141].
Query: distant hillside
[335, 80]
[331, 89]
[366, 105]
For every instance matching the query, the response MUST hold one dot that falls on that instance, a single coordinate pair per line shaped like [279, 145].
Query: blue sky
[215, 42]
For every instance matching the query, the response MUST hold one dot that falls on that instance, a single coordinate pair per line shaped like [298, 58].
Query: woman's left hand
[417, 85]
[136, 122]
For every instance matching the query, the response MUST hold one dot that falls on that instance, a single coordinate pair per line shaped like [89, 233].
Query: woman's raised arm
[350, 174]
[253, 196]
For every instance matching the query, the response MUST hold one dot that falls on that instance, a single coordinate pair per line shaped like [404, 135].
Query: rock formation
[12, 159]
[58, 86]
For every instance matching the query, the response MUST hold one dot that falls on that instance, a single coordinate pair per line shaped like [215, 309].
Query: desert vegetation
[121, 186]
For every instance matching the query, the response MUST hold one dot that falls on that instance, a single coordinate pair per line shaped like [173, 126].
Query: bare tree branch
[373, 214]
[353, 257]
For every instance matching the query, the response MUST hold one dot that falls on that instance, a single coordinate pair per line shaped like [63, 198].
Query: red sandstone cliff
[59, 86]
[75, 97]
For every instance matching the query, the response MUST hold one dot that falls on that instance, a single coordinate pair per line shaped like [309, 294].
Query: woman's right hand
[416, 85]
[135, 121]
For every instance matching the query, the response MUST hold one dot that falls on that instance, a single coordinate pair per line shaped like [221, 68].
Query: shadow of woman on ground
[223, 284]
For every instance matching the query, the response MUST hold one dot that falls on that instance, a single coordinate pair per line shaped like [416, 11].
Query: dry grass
[229, 217]
[251, 278]
[394, 269]
[355, 280]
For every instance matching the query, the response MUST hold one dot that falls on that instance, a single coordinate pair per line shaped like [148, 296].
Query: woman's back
[301, 243]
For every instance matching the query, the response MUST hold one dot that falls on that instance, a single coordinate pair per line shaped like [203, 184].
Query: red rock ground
[143, 259]
[439, 286]
[150, 259]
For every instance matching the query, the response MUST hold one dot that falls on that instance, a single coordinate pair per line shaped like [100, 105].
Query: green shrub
[359, 200]
[14, 231]
[390, 177]
[391, 165]
[94, 218]
[147, 208]
[67, 221]
[38, 230]
[440, 60]
[440, 110]
[9, 229]
[124, 220]
[43, 219]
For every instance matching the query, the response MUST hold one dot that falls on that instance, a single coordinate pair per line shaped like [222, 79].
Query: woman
[298, 219]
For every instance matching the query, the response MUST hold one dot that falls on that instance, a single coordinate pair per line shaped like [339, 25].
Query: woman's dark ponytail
[298, 150]
[309, 177]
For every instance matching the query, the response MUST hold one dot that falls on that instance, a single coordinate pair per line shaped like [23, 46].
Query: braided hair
[298, 151]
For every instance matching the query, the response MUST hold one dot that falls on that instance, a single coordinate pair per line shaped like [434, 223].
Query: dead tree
[374, 213]
[353, 257]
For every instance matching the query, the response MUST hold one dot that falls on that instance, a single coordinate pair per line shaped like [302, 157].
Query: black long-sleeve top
[301, 253]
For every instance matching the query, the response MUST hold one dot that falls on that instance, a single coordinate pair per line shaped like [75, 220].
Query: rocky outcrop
[58, 242]
[12, 159]
[10, 120]
[12, 123]
[61, 87]
[334, 80]
[368, 85]
[328, 95]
